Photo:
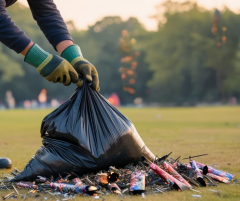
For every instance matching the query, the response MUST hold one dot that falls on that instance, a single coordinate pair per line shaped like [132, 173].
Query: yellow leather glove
[52, 67]
[74, 56]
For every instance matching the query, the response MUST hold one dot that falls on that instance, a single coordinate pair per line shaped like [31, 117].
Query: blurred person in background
[42, 98]
[64, 68]
[10, 100]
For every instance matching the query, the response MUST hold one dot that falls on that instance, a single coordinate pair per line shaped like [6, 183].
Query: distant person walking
[10, 100]
[64, 68]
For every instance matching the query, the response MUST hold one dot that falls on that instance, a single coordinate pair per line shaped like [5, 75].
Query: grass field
[184, 131]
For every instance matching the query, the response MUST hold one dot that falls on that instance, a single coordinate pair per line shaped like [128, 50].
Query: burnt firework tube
[197, 173]
[166, 166]
[61, 186]
[218, 178]
[208, 169]
[137, 184]
[26, 185]
[74, 188]
[168, 178]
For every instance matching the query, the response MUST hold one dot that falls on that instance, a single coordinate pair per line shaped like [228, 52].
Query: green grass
[185, 131]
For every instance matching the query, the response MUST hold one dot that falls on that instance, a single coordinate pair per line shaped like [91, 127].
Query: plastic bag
[85, 134]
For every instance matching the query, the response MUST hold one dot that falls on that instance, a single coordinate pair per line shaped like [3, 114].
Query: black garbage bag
[85, 134]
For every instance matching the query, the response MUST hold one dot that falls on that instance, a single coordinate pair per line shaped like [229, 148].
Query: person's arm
[52, 67]
[54, 28]
[51, 23]
[10, 34]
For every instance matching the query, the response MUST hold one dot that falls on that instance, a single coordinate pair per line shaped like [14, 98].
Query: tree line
[193, 57]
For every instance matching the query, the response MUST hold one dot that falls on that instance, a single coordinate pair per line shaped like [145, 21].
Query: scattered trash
[208, 169]
[195, 190]
[168, 167]
[218, 178]
[113, 188]
[196, 196]
[137, 184]
[8, 196]
[215, 191]
[236, 181]
[102, 179]
[197, 173]
[125, 190]
[143, 178]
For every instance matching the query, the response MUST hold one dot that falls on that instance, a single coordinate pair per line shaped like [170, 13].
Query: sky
[86, 12]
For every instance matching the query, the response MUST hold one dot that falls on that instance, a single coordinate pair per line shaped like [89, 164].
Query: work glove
[52, 67]
[74, 56]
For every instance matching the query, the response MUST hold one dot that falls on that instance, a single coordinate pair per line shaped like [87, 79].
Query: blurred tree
[192, 57]
[100, 45]
[232, 82]
[9, 68]
[187, 64]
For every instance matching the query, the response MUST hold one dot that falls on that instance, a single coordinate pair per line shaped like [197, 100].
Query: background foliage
[185, 61]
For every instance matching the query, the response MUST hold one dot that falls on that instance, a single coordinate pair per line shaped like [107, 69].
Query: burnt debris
[144, 177]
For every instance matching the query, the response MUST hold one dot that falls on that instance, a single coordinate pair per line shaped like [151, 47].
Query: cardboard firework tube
[166, 166]
[197, 173]
[208, 169]
[168, 178]
[26, 185]
[218, 178]
[137, 184]
[77, 189]
[60, 186]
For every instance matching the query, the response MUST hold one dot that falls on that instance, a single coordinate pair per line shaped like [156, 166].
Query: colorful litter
[143, 178]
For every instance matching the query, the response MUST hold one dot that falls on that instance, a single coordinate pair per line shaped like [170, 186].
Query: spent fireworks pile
[142, 178]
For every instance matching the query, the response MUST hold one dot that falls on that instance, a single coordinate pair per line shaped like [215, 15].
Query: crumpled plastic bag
[84, 134]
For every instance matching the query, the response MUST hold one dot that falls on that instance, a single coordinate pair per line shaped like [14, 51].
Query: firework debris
[137, 184]
[145, 177]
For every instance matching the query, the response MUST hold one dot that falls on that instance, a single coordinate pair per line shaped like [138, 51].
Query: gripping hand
[52, 67]
[74, 56]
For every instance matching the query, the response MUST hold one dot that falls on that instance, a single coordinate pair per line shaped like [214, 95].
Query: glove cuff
[71, 52]
[36, 55]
